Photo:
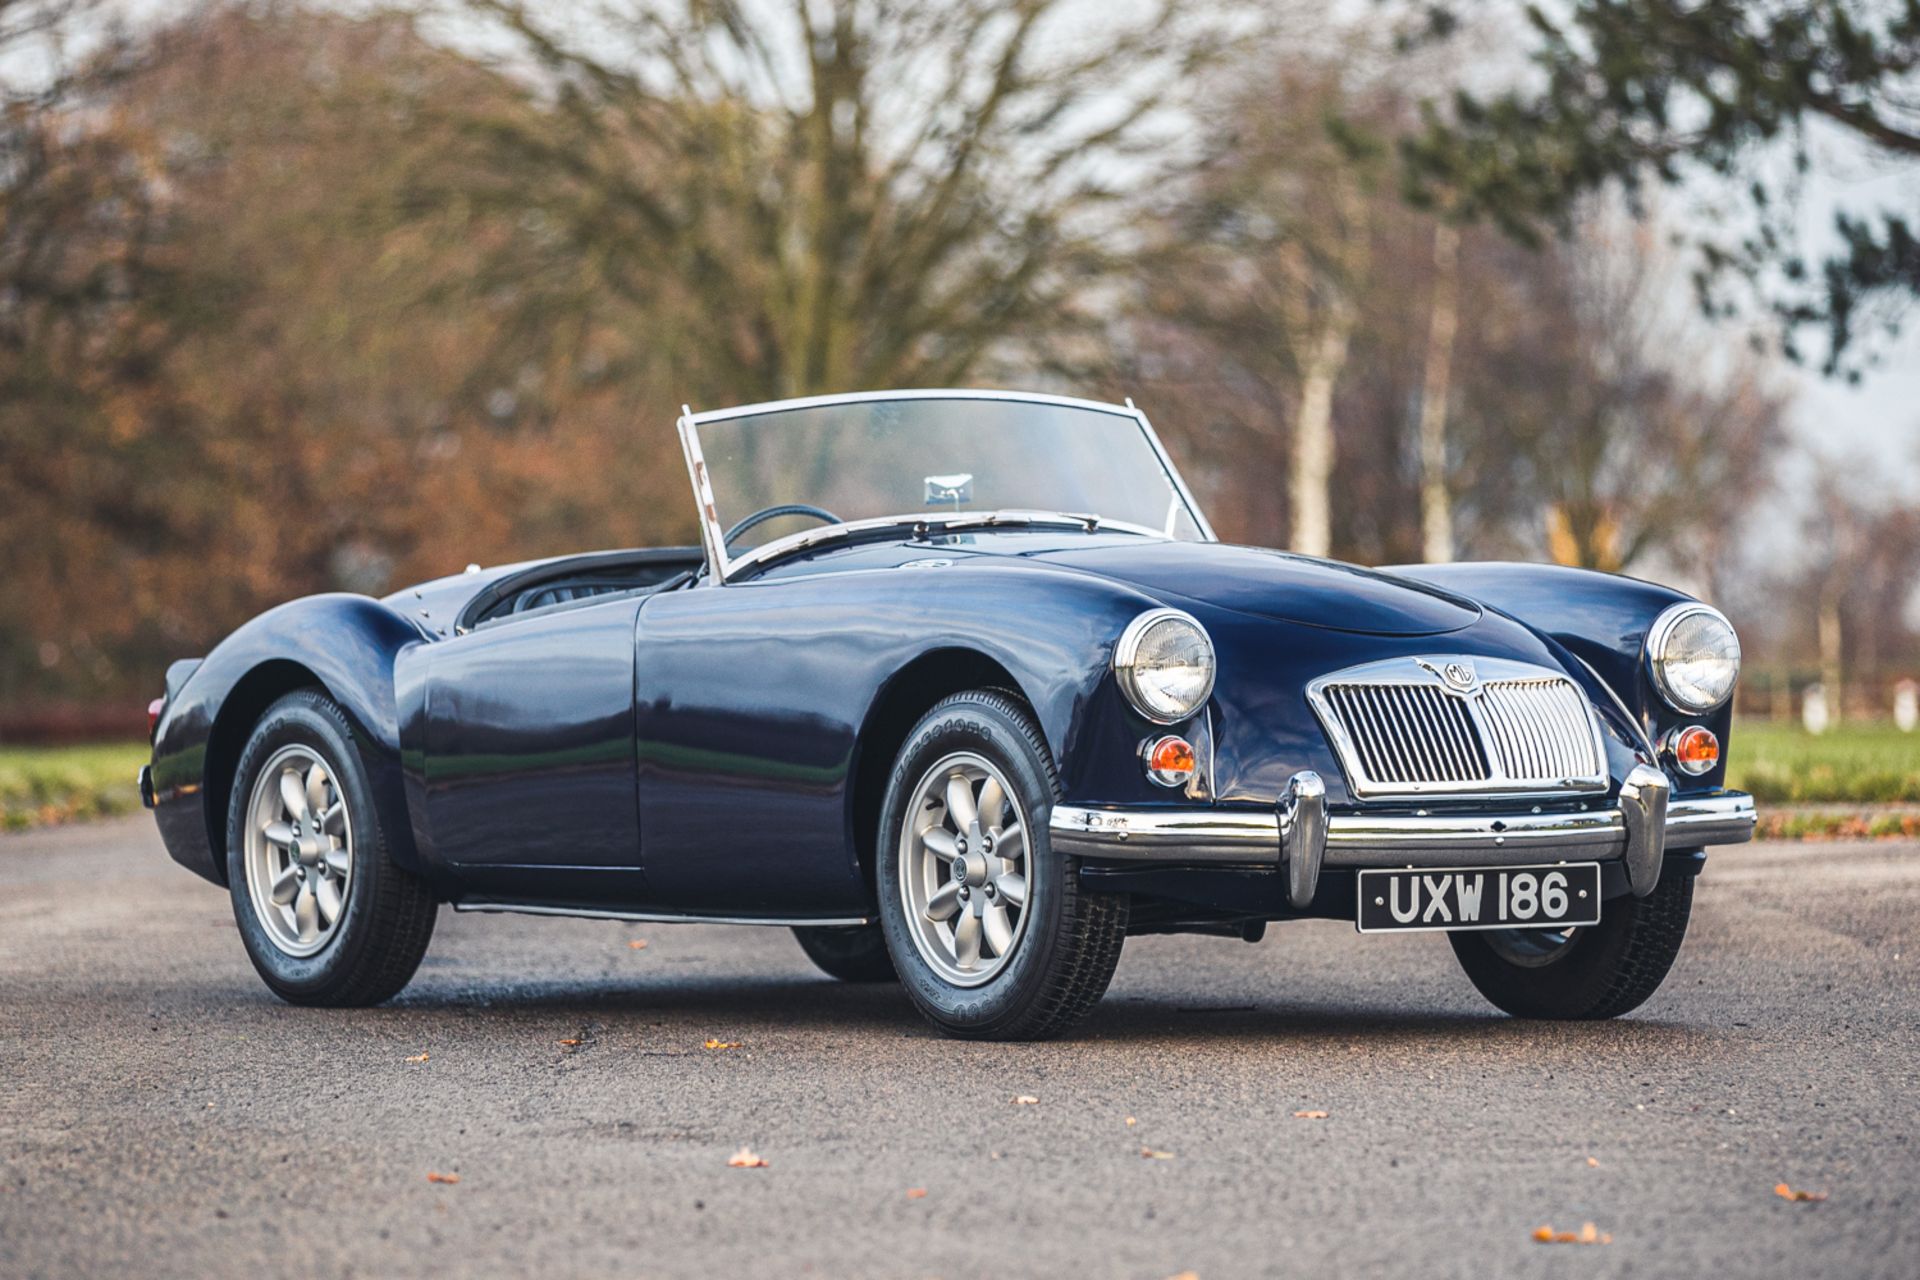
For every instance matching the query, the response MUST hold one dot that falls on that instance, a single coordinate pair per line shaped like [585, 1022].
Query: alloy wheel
[963, 869]
[299, 850]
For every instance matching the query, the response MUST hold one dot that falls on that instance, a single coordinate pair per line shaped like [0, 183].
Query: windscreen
[869, 459]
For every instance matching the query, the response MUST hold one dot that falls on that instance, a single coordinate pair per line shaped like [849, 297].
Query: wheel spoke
[338, 861]
[327, 897]
[334, 820]
[1012, 888]
[306, 915]
[944, 902]
[293, 794]
[278, 833]
[960, 806]
[966, 940]
[317, 788]
[993, 802]
[285, 886]
[1010, 842]
[998, 929]
[939, 842]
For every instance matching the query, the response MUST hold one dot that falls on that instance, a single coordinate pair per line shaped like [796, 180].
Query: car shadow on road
[1308, 1025]
[804, 1003]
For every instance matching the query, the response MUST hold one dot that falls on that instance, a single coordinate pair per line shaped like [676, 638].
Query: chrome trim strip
[1640, 738]
[920, 393]
[654, 917]
[1179, 481]
[1359, 840]
[1254, 837]
[712, 537]
[1727, 818]
[1181, 835]
[712, 540]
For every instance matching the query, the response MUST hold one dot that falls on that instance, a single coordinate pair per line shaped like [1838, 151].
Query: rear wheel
[326, 915]
[855, 953]
[992, 935]
[1598, 971]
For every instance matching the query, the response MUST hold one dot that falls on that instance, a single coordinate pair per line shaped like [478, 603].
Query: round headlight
[1164, 662]
[1694, 656]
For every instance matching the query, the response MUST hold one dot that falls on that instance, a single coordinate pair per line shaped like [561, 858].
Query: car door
[528, 772]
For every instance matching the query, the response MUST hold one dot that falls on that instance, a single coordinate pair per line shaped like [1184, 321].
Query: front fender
[1600, 618]
[346, 645]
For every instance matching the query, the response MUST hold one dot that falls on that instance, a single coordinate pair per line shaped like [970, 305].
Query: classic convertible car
[961, 688]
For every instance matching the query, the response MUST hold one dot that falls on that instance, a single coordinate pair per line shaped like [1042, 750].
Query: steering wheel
[765, 514]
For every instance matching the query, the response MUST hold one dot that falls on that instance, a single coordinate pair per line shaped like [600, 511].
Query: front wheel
[327, 916]
[1599, 971]
[992, 935]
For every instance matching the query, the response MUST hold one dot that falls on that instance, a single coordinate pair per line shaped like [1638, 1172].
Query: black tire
[854, 953]
[1601, 972]
[1070, 940]
[388, 913]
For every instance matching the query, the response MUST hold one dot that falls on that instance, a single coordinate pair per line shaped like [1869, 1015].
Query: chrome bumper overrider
[1300, 837]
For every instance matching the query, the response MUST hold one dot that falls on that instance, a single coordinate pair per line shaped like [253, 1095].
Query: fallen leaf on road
[448, 1178]
[1186, 1275]
[1026, 1100]
[418, 1057]
[745, 1159]
[916, 1193]
[1786, 1192]
[1131, 1122]
[723, 1044]
[638, 944]
[1148, 1153]
[1592, 1163]
[1309, 1115]
[1587, 1234]
[571, 1044]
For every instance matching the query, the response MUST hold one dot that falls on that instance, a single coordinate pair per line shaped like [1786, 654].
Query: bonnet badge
[1458, 675]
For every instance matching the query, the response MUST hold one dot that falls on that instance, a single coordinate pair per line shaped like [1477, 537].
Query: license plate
[1455, 898]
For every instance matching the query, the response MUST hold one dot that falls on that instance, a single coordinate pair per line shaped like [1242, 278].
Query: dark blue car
[961, 688]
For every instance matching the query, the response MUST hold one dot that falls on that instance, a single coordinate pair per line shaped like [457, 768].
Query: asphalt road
[160, 1114]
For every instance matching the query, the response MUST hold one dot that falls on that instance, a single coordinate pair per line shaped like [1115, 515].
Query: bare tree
[1639, 434]
[798, 196]
[1436, 502]
[1264, 267]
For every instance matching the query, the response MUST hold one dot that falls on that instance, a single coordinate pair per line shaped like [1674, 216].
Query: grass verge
[1853, 764]
[1838, 824]
[43, 786]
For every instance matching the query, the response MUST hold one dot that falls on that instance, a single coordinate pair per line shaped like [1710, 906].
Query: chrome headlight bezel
[1660, 637]
[1126, 653]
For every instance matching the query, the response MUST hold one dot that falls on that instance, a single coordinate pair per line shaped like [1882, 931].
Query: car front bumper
[1299, 836]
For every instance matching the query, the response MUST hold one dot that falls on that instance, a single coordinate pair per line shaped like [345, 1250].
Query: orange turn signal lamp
[1170, 760]
[1694, 749]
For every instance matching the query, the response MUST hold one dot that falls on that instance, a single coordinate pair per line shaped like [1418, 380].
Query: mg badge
[1458, 675]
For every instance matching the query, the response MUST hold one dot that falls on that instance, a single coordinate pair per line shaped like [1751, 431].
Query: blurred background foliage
[308, 297]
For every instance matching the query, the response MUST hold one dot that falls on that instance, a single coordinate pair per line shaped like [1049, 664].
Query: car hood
[1271, 584]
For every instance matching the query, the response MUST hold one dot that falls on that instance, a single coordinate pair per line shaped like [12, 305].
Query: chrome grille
[1540, 730]
[1437, 726]
[1410, 733]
